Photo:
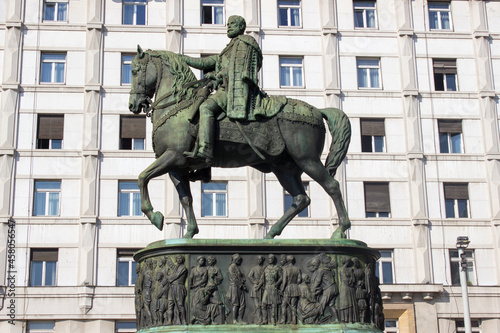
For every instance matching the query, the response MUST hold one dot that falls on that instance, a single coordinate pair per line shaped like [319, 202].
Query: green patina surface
[334, 328]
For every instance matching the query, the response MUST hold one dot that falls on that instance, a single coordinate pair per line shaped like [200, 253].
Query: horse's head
[144, 77]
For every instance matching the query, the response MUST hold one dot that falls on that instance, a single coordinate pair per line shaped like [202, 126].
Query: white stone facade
[88, 231]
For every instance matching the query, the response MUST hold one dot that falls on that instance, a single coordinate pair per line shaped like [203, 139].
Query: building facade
[419, 80]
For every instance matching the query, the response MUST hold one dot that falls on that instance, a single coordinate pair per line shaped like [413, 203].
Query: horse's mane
[181, 72]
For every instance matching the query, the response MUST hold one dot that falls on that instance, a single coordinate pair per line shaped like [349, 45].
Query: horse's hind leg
[160, 166]
[315, 169]
[293, 184]
[181, 182]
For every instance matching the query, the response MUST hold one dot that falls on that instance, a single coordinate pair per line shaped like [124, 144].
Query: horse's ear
[140, 52]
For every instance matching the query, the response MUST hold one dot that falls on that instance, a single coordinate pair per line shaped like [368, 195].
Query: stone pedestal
[188, 285]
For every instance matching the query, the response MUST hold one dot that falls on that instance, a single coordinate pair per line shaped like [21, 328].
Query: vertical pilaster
[90, 147]
[174, 26]
[173, 213]
[256, 203]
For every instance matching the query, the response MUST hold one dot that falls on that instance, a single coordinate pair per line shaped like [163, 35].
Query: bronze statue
[270, 133]
[176, 309]
[205, 307]
[292, 277]
[309, 310]
[347, 299]
[271, 279]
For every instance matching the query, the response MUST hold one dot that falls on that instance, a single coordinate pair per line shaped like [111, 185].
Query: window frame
[128, 127]
[290, 67]
[214, 193]
[369, 213]
[289, 8]
[135, 4]
[394, 329]
[471, 267]
[364, 10]
[126, 256]
[43, 282]
[46, 199]
[53, 142]
[125, 329]
[213, 5]
[371, 133]
[124, 63]
[447, 68]
[56, 10]
[457, 202]
[379, 266]
[130, 193]
[448, 128]
[40, 330]
[53, 74]
[288, 195]
[475, 326]
[369, 68]
[439, 10]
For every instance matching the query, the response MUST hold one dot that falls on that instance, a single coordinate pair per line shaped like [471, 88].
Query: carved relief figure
[257, 290]
[205, 306]
[309, 310]
[147, 285]
[347, 302]
[292, 277]
[138, 295]
[199, 275]
[370, 285]
[176, 310]
[271, 279]
[237, 289]
[215, 277]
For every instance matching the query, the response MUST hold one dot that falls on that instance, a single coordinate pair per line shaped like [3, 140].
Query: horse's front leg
[163, 164]
[181, 182]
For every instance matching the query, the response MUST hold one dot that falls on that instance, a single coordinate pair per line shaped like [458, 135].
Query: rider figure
[236, 81]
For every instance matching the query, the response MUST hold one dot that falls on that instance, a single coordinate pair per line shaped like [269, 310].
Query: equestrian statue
[225, 120]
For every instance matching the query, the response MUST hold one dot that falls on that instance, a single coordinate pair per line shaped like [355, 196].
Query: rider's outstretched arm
[205, 63]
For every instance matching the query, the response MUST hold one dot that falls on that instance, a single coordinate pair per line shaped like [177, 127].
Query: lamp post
[462, 244]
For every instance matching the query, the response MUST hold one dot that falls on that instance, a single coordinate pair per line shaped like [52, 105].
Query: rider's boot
[206, 133]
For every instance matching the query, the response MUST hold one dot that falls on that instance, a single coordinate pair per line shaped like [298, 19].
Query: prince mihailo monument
[225, 120]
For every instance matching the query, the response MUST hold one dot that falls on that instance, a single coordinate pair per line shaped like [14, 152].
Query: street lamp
[462, 244]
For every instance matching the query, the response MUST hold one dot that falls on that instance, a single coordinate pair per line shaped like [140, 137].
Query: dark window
[372, 135]
[383, 267]
[455, 267]
[125, 270]
[377, 201]
[43, 270]
[212, 11]
[50, 131]
[132, 132]
[456, 197]
[134, 12]
[445, 74]
[475, 326]
[450, 136]
[364, 14]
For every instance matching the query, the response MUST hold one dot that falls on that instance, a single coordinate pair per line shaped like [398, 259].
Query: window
[372, 135]
[50, 131]
[288, 13]
[475, 326]
[134, 12]
[439, 15]
[40, 327]
[377, 201]
[212, 11]
[47, 197]
[288, 201]
[127, 68]
[125, 271]
[126, 327]
[391, 326]
[132, 132]
[214, 199]
[456, 198]
[129, 199]
[450, 136]
[55, 10]
[53, 65]
[445, 74]
[383, 268]
[455, 267]
[364, 14]
[368, 73]
[43, 267]
[291, 72]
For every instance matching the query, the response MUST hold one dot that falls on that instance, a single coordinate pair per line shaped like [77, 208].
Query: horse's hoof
[270, 235]
[338, 234]
[157, 220]
[191, 233]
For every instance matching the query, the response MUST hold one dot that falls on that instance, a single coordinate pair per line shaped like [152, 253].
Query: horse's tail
[340, 129]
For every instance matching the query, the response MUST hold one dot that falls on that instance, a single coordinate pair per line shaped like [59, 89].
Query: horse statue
[287, 144]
